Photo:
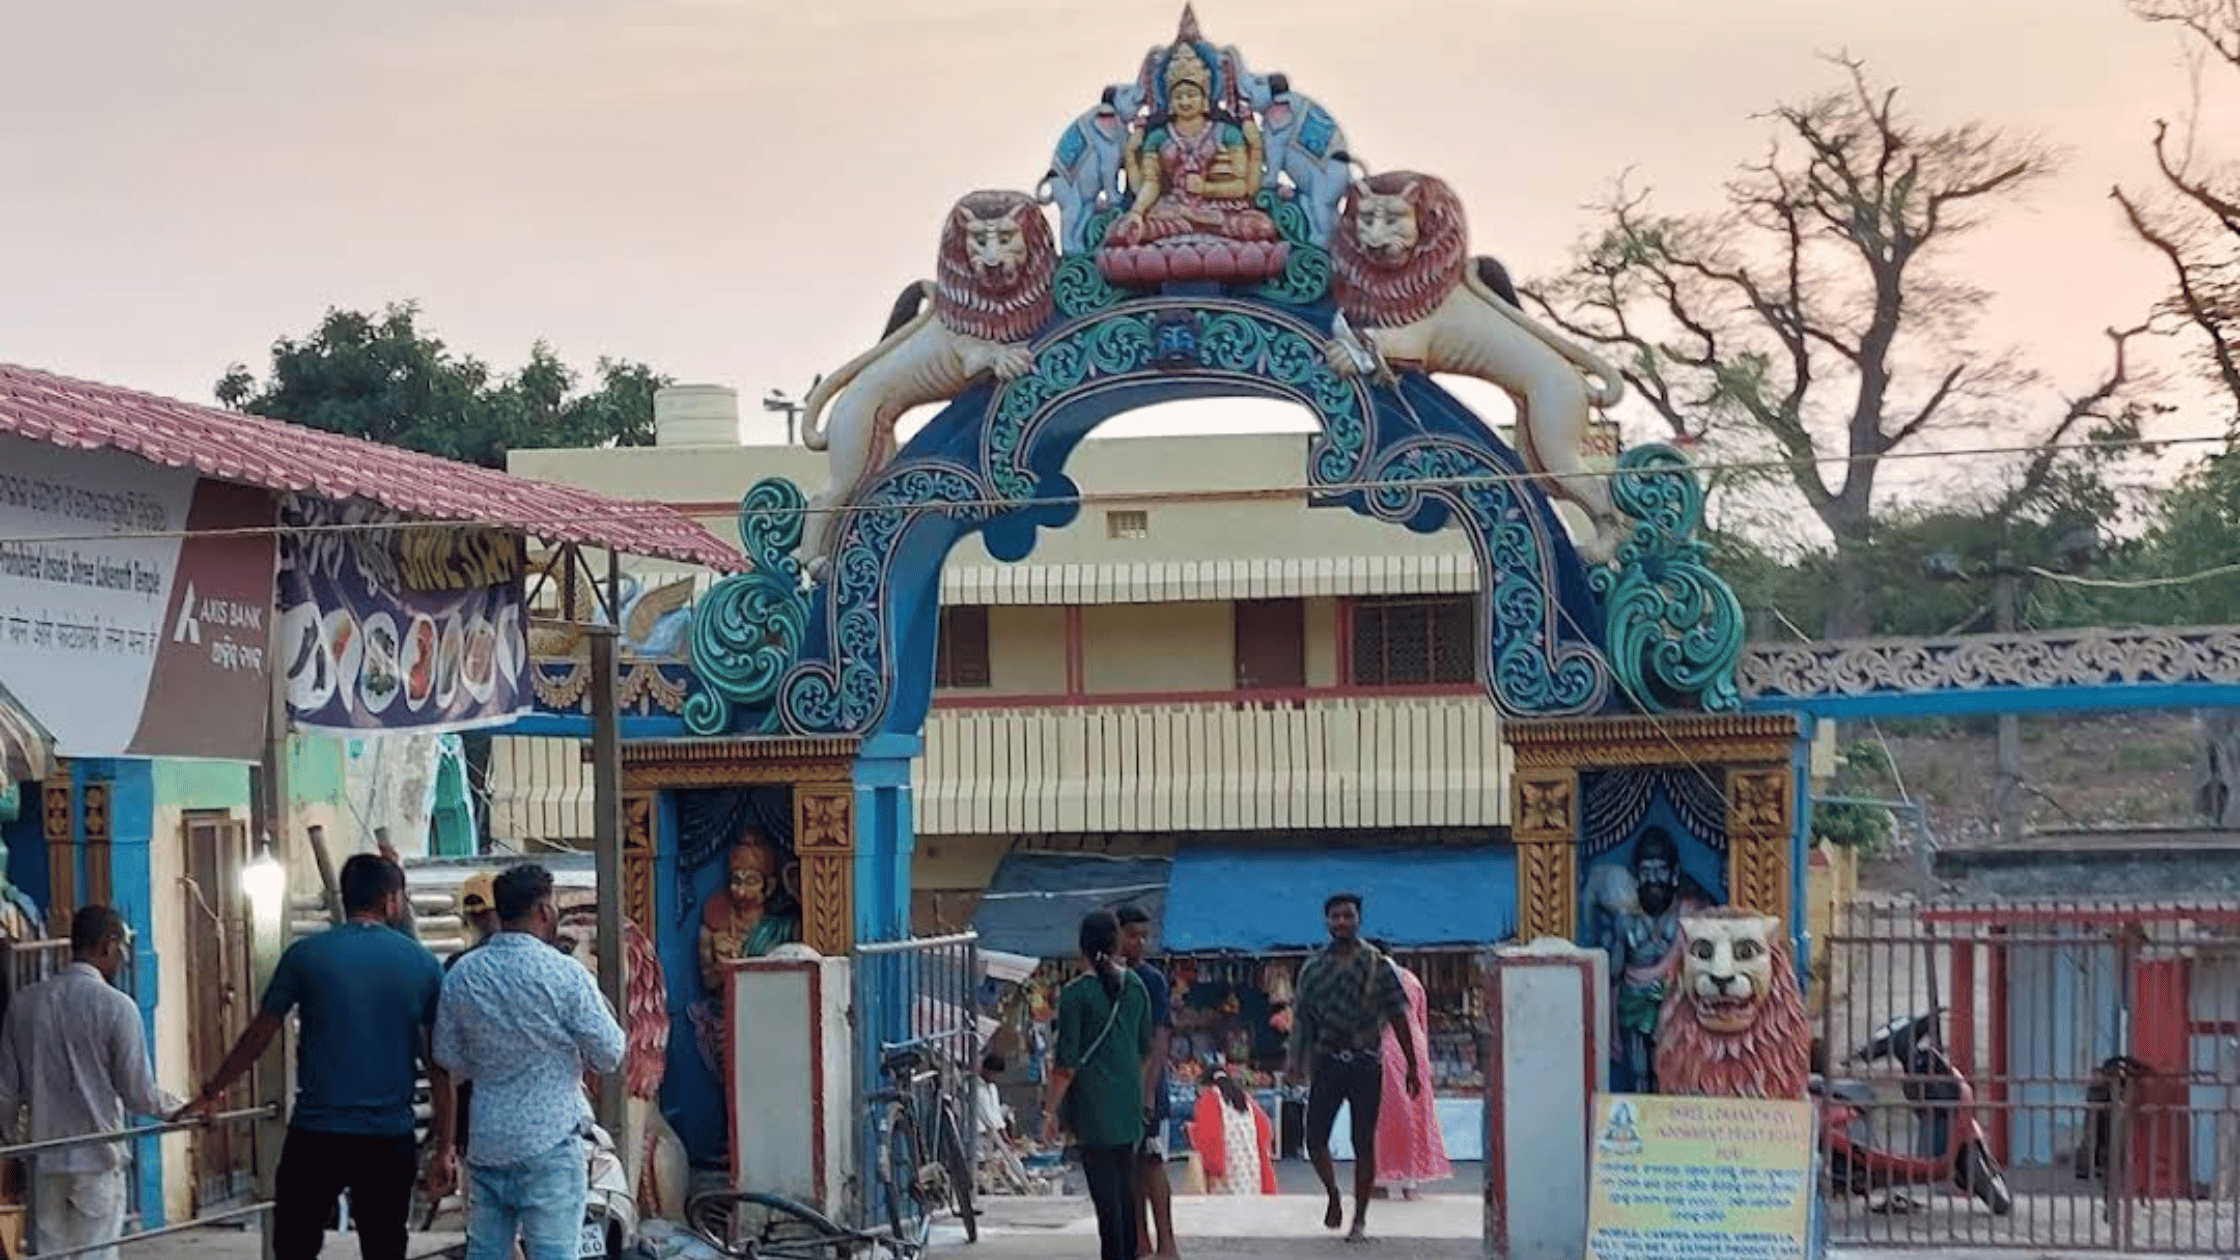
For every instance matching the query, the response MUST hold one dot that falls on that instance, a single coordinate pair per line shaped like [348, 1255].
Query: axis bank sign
[134, 617]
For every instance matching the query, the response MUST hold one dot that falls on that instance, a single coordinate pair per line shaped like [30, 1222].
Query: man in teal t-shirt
[365, 997]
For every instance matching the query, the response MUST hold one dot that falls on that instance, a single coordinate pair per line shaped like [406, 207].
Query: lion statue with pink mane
[1733, 1023]
[652, 1155]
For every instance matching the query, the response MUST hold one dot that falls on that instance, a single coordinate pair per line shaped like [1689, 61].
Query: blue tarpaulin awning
[1034, 904]
[1255, 901]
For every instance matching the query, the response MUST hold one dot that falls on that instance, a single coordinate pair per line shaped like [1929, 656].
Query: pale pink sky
[734, 190]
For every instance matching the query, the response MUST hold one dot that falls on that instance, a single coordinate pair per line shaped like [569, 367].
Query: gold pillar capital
[1544, 822]
[1761, 818]
[824, 839]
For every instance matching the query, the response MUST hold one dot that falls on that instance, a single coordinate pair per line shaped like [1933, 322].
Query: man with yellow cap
[478, 909]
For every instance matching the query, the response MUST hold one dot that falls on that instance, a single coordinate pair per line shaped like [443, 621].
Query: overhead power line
[633, 512]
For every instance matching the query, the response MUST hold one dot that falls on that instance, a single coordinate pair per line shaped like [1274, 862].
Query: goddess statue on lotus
[1195, 165]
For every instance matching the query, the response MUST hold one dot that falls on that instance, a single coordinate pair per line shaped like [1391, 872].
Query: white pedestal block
[790, 1068]
[1548, 1011]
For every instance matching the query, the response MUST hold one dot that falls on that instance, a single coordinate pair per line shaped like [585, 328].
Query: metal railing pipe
[127, 1134]
[161, 1231]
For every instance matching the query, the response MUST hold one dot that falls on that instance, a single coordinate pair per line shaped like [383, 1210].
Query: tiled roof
[231, 446]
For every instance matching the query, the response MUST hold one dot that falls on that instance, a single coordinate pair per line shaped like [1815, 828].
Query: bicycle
[751, 1225]
[920, 1101]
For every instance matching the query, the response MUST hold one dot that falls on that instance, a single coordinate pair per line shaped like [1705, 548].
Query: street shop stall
[1233, 925]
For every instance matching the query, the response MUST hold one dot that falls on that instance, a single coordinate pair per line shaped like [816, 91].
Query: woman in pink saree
[1410, 1149]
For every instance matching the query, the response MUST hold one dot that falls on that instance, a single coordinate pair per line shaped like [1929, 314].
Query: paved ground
[223, 1242]
[1282, 1227]
[1288, 1227]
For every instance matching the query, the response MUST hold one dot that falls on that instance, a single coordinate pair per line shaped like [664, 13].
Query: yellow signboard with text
[1700, 1179]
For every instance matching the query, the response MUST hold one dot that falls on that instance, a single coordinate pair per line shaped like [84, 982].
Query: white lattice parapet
[2069, 669]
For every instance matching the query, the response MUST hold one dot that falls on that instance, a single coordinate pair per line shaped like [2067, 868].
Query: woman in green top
[1104, 1034]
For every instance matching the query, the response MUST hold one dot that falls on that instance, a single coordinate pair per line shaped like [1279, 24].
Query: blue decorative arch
[862, 641]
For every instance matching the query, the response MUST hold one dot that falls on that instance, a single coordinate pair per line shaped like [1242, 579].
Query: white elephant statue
[1302, 141]
[1084, 175]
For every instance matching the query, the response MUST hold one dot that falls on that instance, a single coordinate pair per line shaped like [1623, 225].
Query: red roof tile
[232, 446]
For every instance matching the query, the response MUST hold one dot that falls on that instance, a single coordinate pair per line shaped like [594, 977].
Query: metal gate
[2100, 1046]
[924, 995]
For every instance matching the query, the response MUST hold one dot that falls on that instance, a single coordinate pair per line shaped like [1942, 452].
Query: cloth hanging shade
[26, 748]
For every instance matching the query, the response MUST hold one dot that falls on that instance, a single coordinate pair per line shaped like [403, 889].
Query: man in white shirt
[73, 1051]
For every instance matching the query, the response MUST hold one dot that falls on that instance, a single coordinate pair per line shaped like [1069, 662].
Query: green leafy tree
[1816, 323]
[1863, 774]
[384, 378]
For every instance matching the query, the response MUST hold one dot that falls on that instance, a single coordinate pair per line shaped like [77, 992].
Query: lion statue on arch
[1409, 295]
[992, 295]
[1733, 1023]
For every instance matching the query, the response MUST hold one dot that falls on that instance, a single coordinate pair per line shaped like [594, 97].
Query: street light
[264, 880]
[777, 400]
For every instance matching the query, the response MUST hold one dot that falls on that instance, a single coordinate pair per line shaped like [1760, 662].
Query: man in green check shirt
[1347, 993]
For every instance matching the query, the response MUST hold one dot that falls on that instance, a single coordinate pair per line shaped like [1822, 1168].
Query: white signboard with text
[135, 603]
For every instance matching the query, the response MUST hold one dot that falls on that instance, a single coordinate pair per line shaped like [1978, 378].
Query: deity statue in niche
[1636, 909]
[1196, 166]
[756, 910]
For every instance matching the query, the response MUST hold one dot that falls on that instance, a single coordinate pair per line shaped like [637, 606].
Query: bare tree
[1816, 311]
[2193, 221]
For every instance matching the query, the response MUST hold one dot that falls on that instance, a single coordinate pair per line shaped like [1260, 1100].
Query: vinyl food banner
[135, 604]
[393, 627]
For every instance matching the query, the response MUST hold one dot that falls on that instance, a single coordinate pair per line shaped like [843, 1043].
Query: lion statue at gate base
[1733, 1022]
[992, 295]
[1410, 296]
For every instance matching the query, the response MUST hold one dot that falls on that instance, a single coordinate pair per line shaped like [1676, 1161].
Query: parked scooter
[610, 1209]
[1951, 1145]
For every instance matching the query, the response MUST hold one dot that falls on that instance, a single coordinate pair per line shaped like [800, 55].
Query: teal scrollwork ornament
[1306, 270]
[1145, 338]
[1078, 287]
[1672, 628]
[747, 629]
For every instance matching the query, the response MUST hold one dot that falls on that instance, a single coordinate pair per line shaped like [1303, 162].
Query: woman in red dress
[1233, 1139]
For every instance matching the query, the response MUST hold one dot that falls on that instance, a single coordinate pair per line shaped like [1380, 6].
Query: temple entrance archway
[1215, 240]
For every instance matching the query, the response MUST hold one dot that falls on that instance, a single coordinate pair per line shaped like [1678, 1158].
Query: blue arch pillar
[885, 842]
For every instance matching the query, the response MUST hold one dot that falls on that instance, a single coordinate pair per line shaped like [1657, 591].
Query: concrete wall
[2187, 865]
[1130, 648]
[1026, 653]
[315, 790]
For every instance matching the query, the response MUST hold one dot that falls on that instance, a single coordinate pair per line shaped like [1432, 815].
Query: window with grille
[1125, 523]
[961, 647]
[1413, 640]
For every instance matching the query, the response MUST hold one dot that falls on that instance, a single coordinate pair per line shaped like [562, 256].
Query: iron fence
[921, 995]
[2093, 1080]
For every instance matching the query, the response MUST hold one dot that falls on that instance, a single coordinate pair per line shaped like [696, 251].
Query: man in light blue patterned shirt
[523, 1022]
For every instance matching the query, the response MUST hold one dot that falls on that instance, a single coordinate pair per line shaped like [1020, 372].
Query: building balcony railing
[1233, 764]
